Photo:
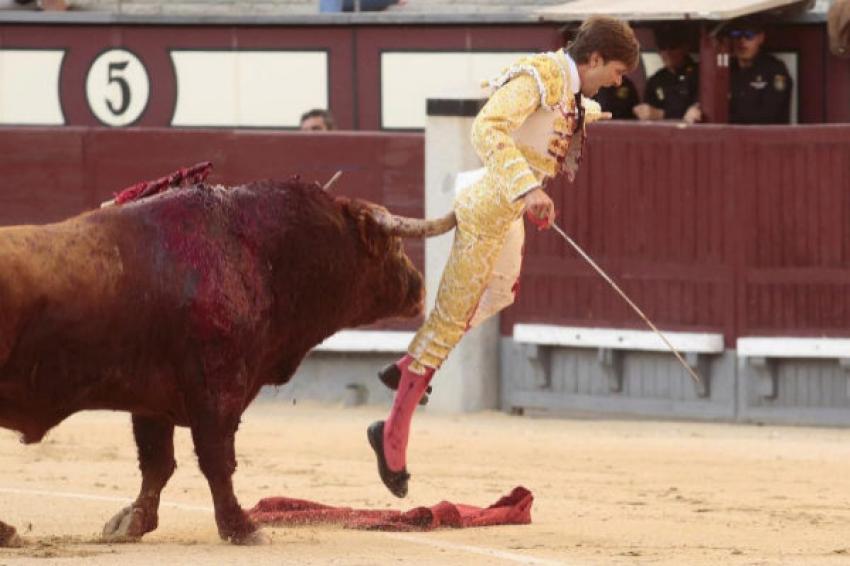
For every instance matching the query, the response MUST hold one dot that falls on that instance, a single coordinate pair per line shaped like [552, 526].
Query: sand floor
[606, 492]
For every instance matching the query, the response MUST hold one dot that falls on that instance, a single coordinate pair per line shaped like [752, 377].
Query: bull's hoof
[254, 538]
[9, 537]
[396, 482]
[391, 376]
[128, 525]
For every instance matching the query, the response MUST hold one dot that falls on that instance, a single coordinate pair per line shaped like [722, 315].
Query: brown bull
[179, 307]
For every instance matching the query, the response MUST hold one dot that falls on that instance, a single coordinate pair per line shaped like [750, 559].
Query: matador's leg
[479, 239]
[502, 288]
[500, 292]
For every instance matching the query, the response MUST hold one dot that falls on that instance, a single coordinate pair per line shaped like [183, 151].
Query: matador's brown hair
[613, 39]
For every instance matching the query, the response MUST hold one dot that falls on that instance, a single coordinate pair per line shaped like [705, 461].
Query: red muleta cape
[512, 509]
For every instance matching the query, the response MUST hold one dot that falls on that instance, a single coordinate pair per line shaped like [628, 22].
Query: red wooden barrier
[50, 174]
[795, 231]
[734, 229]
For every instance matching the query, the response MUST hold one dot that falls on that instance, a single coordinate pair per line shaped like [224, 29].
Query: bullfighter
[531, 129]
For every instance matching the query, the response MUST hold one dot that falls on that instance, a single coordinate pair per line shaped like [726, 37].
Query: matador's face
[598, 73]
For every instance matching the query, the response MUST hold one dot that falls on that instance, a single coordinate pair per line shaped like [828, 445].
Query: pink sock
[411, 387]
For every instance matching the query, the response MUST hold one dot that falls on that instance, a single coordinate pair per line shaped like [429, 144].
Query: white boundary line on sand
[501, 554]
[509, 556]
[115, 498]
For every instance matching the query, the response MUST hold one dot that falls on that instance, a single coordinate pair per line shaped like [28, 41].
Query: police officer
[760, 83]
[672, 93]
[619, 100]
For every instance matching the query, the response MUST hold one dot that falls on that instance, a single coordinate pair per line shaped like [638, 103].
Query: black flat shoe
[396, 482]
[391, 376]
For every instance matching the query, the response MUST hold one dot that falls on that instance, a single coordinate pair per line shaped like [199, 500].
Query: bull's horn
[414, 227]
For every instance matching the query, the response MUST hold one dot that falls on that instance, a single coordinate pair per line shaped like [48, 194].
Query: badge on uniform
[779, 82]
[623, 92]
[659, 93]
[759, 83]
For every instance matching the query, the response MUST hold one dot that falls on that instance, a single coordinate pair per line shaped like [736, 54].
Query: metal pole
[605, 276]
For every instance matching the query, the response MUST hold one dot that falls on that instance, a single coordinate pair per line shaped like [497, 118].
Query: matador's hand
[539, 208]
[593, 112]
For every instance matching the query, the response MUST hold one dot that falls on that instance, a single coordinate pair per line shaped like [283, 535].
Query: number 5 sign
[117, 87]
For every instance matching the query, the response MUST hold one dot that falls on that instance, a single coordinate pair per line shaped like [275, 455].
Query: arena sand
[606, 492]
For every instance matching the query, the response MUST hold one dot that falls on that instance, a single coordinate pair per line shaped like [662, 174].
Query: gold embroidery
[486, 210]
[542, 165]
[549, 76]
[562, 126]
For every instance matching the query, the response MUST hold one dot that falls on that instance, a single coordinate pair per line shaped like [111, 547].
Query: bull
[179, 307]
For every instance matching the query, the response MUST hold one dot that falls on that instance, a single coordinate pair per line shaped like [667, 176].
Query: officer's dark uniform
[760, 94]
[619, 100]
[673, 92]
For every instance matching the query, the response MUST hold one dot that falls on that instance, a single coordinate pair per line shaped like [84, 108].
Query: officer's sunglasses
[742, 33]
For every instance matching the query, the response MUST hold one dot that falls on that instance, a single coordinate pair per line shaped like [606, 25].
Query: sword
[605, 276]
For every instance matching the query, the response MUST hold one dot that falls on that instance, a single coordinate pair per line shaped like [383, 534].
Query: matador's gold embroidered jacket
[526, 133]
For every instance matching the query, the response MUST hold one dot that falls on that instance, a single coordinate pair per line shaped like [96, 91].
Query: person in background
[350, 5]
[620, 101]
[317, 120]
[760, 85]
[672, 93]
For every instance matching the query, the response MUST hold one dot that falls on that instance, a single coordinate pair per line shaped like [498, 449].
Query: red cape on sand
[512, 509]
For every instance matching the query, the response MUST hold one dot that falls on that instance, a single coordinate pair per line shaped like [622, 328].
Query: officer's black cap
[747, 23]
